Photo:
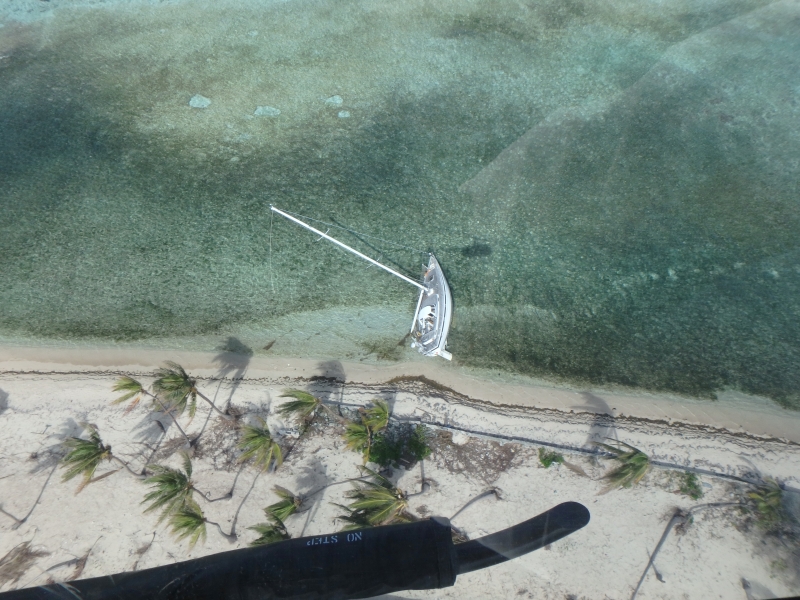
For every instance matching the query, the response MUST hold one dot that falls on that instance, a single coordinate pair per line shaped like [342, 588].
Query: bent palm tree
[360, 436]
[257, 443]
[180, 391]
[84, 456]
[355, 519]
[131, 388]
[377, 416]
[304, 407]
[357, 437]
[171, 488]
[634, 467]
[189, 521]
[286, 506]
[376, 502]
[271, 532]
[768, 503]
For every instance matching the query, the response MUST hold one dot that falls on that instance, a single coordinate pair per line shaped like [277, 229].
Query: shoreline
[733, 412]
[484, 439]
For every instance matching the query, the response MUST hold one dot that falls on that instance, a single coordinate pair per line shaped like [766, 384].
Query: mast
[349, 249]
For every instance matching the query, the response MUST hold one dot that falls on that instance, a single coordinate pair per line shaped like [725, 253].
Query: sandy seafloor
[488, 424]
[611, 188]
[485, 436]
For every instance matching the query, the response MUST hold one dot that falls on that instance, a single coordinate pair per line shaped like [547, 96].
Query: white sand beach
[485, 436]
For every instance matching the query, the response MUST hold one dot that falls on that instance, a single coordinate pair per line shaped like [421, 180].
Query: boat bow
[434, 313]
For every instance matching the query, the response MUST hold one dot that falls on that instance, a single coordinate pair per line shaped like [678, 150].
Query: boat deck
[434, 312]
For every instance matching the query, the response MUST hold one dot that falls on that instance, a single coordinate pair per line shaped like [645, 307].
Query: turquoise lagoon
[613, 189]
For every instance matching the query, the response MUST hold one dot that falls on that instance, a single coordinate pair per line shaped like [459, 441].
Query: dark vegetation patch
[424, 381]
[169, 448]
[401, 444]
[384, 349]
[476, 250]
[17, 561]
[548, 457]
[484, 459]
[690, 486]
[218, 444]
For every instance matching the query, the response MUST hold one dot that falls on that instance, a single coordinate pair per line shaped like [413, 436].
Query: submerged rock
[344, 114]
[198, 101]
[334, 101]
[267, 111]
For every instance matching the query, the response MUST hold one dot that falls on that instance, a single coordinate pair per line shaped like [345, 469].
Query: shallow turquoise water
[611, 190]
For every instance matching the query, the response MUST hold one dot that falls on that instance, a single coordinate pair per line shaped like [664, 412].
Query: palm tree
[286, 506]
[131, 388]
[304, 407]
[180, 391]
[257, 442]
[357, 437]
[271, 532]
[355, 519]
[85, 455]
[171, 488]
[768, 503]
[377, 416]
[376, 502]
[634, 466]
[189, 521]
[360, 436]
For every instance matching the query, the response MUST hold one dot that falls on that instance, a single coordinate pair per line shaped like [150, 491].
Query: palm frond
[302, 407]
[171, 488]
[616, 450]
[176, 388]
[188, 521]
[257, 443]
[269, 533]
[376, 501]
[286, 506]
[634, 465]
[357, 438]
[375, 478]
[130, 388]
[84, 456]
[187, 464]
[376, 417]
[380, 506]
[355, 519]
[768, 503]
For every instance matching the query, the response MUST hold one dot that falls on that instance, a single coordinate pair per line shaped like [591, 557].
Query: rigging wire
[271, 270]
[357, 232]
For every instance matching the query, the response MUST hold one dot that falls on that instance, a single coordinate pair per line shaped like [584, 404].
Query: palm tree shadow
[153, 437]
[233, 359]
[313, 478]
[313, 475]
[390, 397]
[150, 428]
[329, 385]
[603, 423]
[151, 432]
[47, 458]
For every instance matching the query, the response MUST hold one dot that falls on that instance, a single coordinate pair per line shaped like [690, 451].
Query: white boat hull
[433, 315]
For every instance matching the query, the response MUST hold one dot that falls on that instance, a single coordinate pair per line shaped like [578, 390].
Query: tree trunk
[131, 471]
[231, 537]
[222, 414]
[169, 412]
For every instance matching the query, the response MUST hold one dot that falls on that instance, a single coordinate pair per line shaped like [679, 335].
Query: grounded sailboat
[434, 306]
